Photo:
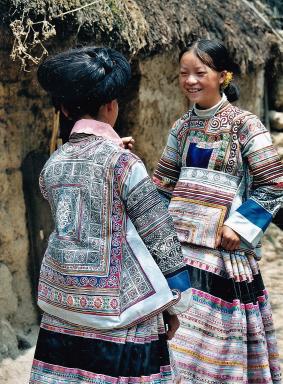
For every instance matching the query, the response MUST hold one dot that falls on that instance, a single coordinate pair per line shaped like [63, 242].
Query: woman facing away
[223, 181]
[113, 266]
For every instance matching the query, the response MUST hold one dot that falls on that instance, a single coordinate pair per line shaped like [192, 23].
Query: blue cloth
[198, 157]
[180, 281]
[255, 213]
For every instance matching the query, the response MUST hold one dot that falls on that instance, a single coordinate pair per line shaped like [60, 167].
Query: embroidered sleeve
[252, 218]
[168, 168]
[42, 185]
[155, 226]
[152, 221]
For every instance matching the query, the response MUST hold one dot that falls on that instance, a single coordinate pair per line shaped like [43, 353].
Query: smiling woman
[205, 73]
[222, 180]
[199, 82]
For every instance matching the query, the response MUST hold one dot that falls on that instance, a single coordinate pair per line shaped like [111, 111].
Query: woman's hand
[172, 323]
[228, 239]
[128, 142]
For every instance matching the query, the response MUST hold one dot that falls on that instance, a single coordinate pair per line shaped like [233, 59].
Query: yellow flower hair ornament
[228, 79]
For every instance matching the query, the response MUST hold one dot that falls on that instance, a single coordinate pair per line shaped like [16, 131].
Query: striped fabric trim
[265, 165]
[231, 343]
[44, 373]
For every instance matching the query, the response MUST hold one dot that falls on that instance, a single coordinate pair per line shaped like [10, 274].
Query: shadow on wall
[39, 219]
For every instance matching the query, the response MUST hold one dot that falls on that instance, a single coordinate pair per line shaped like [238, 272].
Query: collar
[210, 112]
[97, 128]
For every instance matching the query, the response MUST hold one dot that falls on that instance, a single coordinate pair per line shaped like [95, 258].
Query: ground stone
[276, 120]
[8, 298]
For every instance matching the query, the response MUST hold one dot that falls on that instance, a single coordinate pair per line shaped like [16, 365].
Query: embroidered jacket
[220, 170]
[113, 240]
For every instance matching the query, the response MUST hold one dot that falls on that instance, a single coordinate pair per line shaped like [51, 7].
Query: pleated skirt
[227, 336]
[69, 354]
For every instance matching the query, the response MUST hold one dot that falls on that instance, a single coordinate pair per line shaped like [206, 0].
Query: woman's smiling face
[200, 83]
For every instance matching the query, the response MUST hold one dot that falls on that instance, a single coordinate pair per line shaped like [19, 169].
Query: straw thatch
[144, 27]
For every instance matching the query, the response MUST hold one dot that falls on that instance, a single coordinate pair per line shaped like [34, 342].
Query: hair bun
[82, 79]
[232, 92]
[102, 57]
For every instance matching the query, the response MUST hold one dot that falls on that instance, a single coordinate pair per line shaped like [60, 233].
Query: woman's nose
[190, 79]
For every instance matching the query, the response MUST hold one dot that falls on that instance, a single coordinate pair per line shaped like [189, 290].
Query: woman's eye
[200, 73]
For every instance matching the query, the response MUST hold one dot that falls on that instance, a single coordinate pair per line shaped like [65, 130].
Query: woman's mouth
[193, 90]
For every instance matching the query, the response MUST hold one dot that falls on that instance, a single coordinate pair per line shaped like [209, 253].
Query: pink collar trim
[97, 128]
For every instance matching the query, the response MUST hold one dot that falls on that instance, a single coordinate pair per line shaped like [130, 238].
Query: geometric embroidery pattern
[88, 265]
[200, 203]
[134, 284]
[68, 204]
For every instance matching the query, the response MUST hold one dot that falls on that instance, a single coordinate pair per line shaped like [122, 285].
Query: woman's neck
[208, 112]
[98, 118]
[97, 128]
[210, 104]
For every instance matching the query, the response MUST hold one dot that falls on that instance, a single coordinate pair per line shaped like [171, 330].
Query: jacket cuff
[250, 221]
[180, 281]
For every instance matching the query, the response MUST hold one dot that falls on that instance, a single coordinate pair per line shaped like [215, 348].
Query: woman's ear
[222, 77]
[111, 105]
[108, 112]
[64, 111]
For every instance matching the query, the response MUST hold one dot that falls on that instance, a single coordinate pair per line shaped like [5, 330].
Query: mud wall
[24, 117]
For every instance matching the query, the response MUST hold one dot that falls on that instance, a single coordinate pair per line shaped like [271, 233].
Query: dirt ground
[17, 371]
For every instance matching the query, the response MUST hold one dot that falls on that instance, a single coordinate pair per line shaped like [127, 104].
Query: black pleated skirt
[69, 354]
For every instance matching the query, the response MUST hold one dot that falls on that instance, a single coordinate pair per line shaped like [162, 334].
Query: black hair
[84, 79]
[215, 55]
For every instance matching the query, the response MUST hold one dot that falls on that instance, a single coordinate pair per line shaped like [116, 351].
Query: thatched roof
[144, 27]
